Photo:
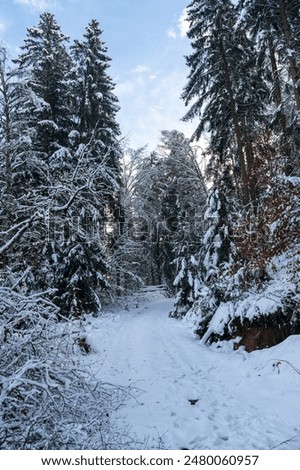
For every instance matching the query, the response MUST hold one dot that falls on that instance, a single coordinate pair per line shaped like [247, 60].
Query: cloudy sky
[147, 43]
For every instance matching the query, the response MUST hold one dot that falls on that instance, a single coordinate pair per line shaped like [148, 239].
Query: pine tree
[97, 108]
[46, 66]
[20, 211]
[169, 199]
[224, 85]
[242, 50]
[188, 282]
[95, 178]
[216, 245]
[275, 26]
[216, 257]
[70, 173]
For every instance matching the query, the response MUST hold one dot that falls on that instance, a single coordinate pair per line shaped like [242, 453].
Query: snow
[244, 401]
[48, 123]
[268, 299]
[294, 180]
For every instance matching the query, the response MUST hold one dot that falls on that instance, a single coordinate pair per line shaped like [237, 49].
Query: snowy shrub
[256, 297]
[46, 401]
[203, 310]
[262, 317]
[187, 283]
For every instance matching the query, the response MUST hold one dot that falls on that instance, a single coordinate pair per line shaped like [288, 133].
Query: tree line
[84, 218]
[243, 91]
[222, 236]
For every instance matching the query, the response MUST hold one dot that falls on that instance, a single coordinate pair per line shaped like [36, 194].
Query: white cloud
[182, 27]
[2, 27]
[150, 106]
[141, 69]
[37, 4]
[124, 88]
[171, 33]
[183, 24]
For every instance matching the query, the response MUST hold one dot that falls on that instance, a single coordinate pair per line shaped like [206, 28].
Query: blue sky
[147, 43]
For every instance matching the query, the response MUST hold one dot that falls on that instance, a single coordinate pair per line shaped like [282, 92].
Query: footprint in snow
[193, 401]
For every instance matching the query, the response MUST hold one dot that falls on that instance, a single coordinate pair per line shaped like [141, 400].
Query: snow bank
[273, 304]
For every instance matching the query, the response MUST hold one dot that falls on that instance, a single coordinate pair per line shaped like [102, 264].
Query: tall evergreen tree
[46, 66]
[170, 196]
[275, 26]
[97, 106]
[98, 173]
[216, 245]
[20, 169]
[242, 50]
[70, 173]
[224, 86]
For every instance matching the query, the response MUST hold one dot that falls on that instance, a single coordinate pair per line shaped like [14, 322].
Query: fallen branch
[284, 442]
[280, 361]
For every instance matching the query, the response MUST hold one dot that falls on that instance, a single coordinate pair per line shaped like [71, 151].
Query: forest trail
[241, 402]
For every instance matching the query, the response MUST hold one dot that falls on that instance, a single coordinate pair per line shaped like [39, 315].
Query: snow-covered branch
[24, 226]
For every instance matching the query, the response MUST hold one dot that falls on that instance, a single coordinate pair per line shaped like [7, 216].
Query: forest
[86, 221]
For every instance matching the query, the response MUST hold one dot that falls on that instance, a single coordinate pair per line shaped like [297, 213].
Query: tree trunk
[237, 128]
[292, 61]
[286, 148]
[4, 91]
[7, 127]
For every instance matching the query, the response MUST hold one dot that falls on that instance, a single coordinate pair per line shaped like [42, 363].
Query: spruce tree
[46, 67]
[216, 246]
[275, 27]
[71, 173]
[169, 199]
[21, 211]
[97, 106]
[244, 88]
[224, 87]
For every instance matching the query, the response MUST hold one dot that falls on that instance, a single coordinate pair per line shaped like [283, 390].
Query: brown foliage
[261, 337]
[83, 344]
[271, 228]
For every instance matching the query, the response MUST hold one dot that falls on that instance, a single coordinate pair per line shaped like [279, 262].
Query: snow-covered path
[241, 400]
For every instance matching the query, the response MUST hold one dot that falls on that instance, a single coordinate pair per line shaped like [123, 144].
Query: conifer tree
[170, 195]
[242, 50]
[70, 172]
[20, 169]
[188, 282]
[97, 106]
[224, 86]
[46, 67]
[216, 246]
[275, 26]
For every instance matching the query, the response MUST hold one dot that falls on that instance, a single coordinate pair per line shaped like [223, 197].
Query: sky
[147, 42]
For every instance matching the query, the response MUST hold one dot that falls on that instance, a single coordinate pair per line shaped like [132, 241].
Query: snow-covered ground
[186, 395]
